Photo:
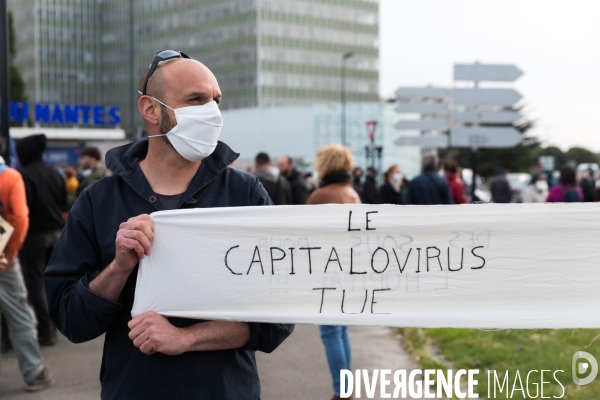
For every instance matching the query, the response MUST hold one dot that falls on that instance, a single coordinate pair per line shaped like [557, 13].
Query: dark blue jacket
[87, 245]
[428, 188]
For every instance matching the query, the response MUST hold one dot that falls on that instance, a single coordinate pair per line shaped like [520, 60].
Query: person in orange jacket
[13, 295]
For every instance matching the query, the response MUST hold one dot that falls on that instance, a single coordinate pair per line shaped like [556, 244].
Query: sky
[555, 43]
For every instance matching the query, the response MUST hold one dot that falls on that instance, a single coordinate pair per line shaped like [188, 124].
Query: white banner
[480, 266]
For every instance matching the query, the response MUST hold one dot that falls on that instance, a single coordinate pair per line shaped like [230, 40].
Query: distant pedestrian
[47, 202]
[334, 164]
[567, 190]
[428, 188]
[13, 295]
[357, 184]
[71, 183]
[588, 185]
[287, 169]
[537, 190]
[391, 190]
[91, 171]
[275, 183]
[70, 176]
[370, 194]
[500, 188]
[457, 186]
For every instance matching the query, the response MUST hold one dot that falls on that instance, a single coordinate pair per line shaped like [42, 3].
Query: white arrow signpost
[486, 117]
[489, 138]
[487, 97]
[422, 108]
[436, 124]
[434, 142]
[422, 92]
[486, 72]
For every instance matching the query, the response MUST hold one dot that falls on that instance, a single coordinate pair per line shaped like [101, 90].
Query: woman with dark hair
[391, 190]
[334, 165]
[566, 191]
[457, 187]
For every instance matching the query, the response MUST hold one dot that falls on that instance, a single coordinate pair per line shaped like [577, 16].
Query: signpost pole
[345, 56]
[4, 82]
[474, 163]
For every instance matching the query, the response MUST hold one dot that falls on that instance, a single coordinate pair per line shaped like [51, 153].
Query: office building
[264, 52]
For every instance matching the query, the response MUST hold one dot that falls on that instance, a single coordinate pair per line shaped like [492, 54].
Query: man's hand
[153, 333]
[6, 262]
[134, 240]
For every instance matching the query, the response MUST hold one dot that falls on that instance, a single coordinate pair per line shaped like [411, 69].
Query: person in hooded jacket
[391, 190]
[47, 201]
[276, 185]
[91, 278]
[370, 193]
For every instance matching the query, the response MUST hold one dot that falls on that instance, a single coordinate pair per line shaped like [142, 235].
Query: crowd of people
[35, 199]
[571, 187]
[438, 183]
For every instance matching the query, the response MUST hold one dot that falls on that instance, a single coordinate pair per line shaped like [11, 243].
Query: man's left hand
[153, 333]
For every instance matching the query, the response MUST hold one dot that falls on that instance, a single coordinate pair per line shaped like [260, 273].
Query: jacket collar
[124, 162]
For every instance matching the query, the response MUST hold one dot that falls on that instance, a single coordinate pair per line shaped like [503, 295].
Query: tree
[581, 155]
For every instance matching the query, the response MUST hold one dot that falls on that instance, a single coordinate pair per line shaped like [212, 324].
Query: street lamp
[345, 56]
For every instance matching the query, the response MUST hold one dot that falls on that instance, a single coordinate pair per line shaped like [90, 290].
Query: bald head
[181, 76]
[178, 83]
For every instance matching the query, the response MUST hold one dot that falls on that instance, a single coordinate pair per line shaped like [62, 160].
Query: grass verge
[511, 350]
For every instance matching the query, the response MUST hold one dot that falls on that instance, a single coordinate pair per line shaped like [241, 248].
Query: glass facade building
[263, 52]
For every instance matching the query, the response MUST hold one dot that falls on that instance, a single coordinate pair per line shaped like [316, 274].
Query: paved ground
[74, 367]
[296, 370]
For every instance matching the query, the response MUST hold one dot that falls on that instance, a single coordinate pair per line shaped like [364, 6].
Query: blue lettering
[86, 113]
[71, 114]
[99, 115]
[57, 114]
[115, 113]
[19, 112]
[42, 112]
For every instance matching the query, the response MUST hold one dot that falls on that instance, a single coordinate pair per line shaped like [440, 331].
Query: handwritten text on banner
[481, 266]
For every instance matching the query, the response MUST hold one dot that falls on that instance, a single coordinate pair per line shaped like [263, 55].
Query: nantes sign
[474, 266]
[76, 114]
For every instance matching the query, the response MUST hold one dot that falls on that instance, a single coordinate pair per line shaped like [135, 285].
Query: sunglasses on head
[163, 55]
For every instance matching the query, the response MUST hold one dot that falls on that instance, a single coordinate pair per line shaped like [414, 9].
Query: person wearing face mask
[391, 190]
[91, 278]
[537, 190]
[91, 171]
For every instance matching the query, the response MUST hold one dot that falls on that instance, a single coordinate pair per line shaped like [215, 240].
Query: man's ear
[149, 110]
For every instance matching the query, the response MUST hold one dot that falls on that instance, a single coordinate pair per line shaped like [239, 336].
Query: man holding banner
[91, 279]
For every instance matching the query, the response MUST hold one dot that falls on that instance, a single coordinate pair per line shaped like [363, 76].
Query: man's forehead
[186, 73]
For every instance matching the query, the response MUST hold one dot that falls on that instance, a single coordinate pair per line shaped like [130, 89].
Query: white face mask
[541, 185]
[197, 131]
[398, 177]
